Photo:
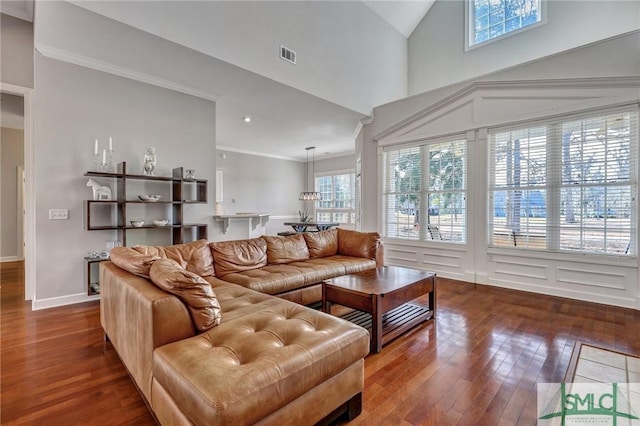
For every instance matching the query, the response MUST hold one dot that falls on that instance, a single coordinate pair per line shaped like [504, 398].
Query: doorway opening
[18, 212]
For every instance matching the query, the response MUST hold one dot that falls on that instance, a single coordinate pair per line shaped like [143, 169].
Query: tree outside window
[425, 192]
[491, 19]
[566, 186]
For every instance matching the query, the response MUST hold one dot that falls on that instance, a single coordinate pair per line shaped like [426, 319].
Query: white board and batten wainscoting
[471, 111]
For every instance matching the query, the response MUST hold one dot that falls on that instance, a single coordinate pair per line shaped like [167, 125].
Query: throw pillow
[191, 289]
[286, 249]
[132, 261]
[322, 244]
[239, 256]
[194, 256]
[358, 244]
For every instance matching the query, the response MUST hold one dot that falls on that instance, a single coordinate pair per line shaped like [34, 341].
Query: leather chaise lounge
[206, 340]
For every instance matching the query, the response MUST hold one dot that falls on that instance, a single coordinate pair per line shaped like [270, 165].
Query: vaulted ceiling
[284, 119]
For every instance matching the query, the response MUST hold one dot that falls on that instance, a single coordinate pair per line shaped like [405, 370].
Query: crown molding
[257, 154]
[361, 123]
[495, 86]
[87, 62]
[280, 157]
[18, 9]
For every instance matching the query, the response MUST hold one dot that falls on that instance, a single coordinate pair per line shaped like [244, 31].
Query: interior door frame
[29, 190]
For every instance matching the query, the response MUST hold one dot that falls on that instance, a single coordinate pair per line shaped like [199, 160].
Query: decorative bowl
[150, 197]
[161, 222]
[137, 223]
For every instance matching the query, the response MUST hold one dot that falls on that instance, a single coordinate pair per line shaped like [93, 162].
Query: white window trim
[587, 257]
[422, 240]
[468, 30]
[350, 211]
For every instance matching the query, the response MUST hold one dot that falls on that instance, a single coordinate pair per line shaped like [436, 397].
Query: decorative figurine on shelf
[149, 162]
[100, 192]
[190, 174]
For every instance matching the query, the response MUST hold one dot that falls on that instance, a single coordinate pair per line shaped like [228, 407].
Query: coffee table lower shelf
[394, 322]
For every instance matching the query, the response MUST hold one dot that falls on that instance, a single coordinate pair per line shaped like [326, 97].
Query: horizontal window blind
[566, 184]
[424, 192]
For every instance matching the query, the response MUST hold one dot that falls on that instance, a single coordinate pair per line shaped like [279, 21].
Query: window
[338, 198]
[490, 19]
[566, 185]
[424, 192]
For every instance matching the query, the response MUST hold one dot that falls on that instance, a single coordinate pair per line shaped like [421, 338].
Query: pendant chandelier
[310, 195]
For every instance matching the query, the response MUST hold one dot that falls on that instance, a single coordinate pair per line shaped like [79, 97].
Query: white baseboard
[585, 296]
[10, 259]
[70, 299]
[484, 279]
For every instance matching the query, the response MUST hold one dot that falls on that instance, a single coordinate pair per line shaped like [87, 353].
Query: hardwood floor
[477, 364]
[55, 368]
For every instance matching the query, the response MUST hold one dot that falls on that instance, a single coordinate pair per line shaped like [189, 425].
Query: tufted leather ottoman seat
[266, 360]
[266, 354]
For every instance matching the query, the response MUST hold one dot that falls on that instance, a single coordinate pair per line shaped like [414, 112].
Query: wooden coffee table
[383, 295]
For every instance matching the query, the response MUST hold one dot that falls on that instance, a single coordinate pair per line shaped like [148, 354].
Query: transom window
[566, 185]
[491, 19]
[338, 198]
[425, 192]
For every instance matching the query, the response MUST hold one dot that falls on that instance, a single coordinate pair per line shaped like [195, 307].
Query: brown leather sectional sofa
[215, 346]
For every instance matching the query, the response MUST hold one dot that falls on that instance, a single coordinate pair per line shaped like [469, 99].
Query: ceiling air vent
[287, 54]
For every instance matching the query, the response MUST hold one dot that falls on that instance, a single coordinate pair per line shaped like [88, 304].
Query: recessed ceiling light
[246, 119]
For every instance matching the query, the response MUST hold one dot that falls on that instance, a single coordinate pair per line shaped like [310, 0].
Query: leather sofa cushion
[196, 293]
[286, 249]
[194, 256]
[272, 279]
[358, 244]
[133, 261]
[237, 301]
[320, 269]
[238, 256]
[322, 244]
[352, 264]
[246, 369]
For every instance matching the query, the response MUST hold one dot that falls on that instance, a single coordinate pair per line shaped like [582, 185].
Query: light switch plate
[58, 214]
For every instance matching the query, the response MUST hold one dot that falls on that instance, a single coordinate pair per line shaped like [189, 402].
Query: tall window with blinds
[425, 192]
[566, 185]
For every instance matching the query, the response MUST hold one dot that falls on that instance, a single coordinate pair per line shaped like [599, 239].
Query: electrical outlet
[58, 214]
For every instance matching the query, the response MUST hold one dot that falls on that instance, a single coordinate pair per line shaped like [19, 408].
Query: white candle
[104, 156]
[96, 147]
[110, 144]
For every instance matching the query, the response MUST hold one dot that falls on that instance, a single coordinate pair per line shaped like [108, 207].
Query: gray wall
[73, 107]
[436, 48]
[16, 47]
[346, 53]
[344, 162]
[267, 185]
[12, 157]
[608, 58]
[261, 185]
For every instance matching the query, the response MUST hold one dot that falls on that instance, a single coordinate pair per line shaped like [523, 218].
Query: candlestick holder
[110, 166]
[97, 164]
